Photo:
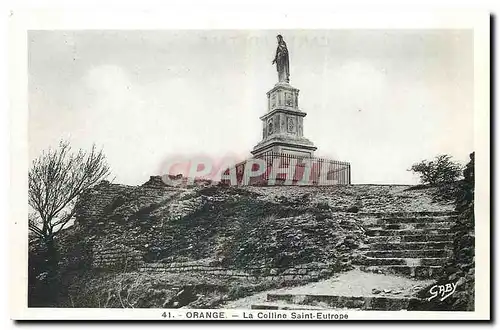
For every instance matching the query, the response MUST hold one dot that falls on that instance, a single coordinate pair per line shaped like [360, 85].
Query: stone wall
[94, 204]
[116, 257]
[121, 258]
[109, 203]
[302, 272]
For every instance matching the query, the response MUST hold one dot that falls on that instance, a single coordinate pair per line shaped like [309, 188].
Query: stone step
[412, 225]
[416, 219]
[384, 303]
[410, 238]
[408, 232]
[411, 245]
[408, 254]
[391, 215]
[280, 305]
[403, 261]
[418, 272]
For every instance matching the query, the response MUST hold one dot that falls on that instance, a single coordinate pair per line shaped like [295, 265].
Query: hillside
[203, 246]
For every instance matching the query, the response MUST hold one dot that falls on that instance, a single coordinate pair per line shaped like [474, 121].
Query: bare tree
[56, 179]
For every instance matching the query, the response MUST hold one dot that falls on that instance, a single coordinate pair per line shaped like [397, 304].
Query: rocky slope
[220, 243]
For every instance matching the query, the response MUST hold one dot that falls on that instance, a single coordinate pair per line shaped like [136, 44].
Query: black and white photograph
[294, 173]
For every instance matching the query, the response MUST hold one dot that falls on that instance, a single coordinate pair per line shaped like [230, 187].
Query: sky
[379, 99]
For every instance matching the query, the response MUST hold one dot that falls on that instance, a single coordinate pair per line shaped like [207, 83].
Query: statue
[270, 127]
[281, 60]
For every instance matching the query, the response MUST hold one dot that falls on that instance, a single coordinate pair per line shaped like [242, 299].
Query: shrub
[438, 171]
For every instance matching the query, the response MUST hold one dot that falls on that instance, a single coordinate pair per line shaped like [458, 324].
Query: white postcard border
[219, 18]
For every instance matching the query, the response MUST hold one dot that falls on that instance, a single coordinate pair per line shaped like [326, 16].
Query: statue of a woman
[281, 60]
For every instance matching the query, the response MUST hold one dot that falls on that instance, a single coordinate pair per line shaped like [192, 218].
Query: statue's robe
[282, 62]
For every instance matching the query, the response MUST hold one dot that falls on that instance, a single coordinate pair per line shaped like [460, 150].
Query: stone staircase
[410, 247]
[413, 244]
[333, 302]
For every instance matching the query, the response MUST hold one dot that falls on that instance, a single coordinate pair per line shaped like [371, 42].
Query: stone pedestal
[283, 124]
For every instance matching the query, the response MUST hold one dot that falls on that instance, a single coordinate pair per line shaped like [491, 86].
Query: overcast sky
[380, 99]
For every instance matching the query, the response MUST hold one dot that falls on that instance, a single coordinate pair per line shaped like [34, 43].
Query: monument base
[270, 169]
[285, 144]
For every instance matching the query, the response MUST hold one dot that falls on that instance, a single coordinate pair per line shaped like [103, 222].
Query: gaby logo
[442, 291]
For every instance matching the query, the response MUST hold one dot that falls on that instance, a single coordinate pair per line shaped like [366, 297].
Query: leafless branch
[56, 179]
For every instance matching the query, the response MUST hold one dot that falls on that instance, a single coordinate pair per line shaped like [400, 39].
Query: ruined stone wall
[96, 203]
[109, 203]
[116, 257]
[301, 272]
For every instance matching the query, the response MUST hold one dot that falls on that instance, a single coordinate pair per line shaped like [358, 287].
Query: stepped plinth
[283, 124]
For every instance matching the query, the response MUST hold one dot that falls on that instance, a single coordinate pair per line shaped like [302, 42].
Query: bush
[438, 171]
